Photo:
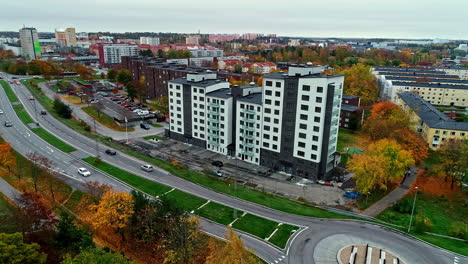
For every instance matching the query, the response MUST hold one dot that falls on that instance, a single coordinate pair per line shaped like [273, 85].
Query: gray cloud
[331, 18]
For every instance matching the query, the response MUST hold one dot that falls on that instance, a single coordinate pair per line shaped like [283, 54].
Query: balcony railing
[246, 111]
[248, 145]
[213, 143]
[247, 136]
[248, 120]
[248, 153]
[248, 128]
[214, 128]
[216, 113]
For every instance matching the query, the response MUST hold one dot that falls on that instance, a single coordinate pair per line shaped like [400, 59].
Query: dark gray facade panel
[300, 167]
[186, 139]
[326, 131]
[187, 104]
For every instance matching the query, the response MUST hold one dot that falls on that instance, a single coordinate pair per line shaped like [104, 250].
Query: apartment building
[435, 127]
[435, 93]
[192, 40]
[153, 41]
[351, 114]
[206, 53]
[290, 124]
[65, 37]
[30, 46]
[110, 54]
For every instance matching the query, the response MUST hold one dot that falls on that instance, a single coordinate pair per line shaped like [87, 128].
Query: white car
[84, 172]
[147, 168]
[1, 111]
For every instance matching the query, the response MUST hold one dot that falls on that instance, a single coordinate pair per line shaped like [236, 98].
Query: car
[84, 172]
[111, 152]
[123, 104]
[1, 111]
[217, 173]
[31, 97]
[147, 167]
[145, 126]
[217, 163]
[14, 78]
[43, 112]
[8, 124]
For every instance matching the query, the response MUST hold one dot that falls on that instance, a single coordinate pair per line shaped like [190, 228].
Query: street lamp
[412, 210]
[235, 185]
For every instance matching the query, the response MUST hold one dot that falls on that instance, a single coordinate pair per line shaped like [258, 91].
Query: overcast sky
[307, 18]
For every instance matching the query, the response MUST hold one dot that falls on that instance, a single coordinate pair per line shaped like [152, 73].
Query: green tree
[96, 256]
[454, 161]
[112, 75]
[62, 109]
[14, 251]
[124, 77]
[146, 53]
[70, 238]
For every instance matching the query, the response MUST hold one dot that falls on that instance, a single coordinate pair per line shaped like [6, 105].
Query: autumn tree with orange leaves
[232, 252]
[413, 143]
[7, 159]
[385, 118]
[385, 161]
[359, 81]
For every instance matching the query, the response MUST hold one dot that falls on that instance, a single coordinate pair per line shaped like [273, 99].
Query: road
[314, 243]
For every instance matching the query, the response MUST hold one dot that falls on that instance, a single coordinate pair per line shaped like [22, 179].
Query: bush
[459, 230]
[62, 109]
[403, 206]
[422, 224]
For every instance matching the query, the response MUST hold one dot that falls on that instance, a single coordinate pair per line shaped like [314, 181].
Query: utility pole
[412, 210]
[235, 186]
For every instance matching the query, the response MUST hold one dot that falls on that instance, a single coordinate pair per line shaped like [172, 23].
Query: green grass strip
[184, 200]
[218, 213]
[457, 246]
[22, 114]
[51, 139]
[9, 91]
[281, 237]
[147, 186]
[255, 225]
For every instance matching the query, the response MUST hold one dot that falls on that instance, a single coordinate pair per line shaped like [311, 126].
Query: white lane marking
[203, 205]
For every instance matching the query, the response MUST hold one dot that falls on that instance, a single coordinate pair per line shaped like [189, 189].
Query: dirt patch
[433, 185]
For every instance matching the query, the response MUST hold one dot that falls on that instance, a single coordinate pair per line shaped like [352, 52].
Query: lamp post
[235, 186]
[412, 210]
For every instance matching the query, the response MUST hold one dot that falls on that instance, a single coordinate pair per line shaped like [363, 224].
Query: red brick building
[351, 115]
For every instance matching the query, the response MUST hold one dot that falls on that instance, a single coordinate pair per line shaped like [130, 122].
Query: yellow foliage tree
[7, 159]
[114, 211]
[359, 81]
[233, 252]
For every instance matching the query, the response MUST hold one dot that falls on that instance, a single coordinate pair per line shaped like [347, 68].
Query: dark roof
[221, 93]
[430, 80]
[409, 70]
[409, 74]
[430, 85]
[349, 108]
[429, 114]
[345, 96]
[284, 75]
[255, 98]
[204, 83]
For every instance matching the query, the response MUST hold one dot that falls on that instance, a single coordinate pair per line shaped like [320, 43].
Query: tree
[7, 159]
[124, 77]
[233, 252]
[96, 256]
[359, 81]
[85, 72]
[114, 211]
[112, 75]
[146, 53]
[368, 172]
[40, 167]
[62, 109]
[14, 251]
[385, 118]
[69, 238]
[131, 90]
[454, 161]
[140, 87]
[95, 190]
[412, 142]
[182, 239]
[32, 215]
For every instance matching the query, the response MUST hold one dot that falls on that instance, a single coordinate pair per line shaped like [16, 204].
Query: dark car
[43, 112]
[8, 124]
[111, 152]
[217, 163]
[14, 78]
[145, 126]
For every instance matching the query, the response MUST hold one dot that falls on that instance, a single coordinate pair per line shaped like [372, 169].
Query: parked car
[43, 112]
[8, 124]
[1, 111]
[110, 152]
[31, 97]
[147, 167]
[123, 104]
[84, 172]
[217, 173]
[217, 163]
[145, 126]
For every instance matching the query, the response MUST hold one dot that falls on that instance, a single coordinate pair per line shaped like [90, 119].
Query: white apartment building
[30, 46]
[290, 124]
[206, 53]
[112, 54]
[153, 41]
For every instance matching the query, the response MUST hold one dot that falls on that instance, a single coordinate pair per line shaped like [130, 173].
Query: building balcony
[213, 143]
[246, 136]
[247, 153]
[247, 128]
[214, 128]
[215, 113]
[248, 145]
[214, 105]
[213, 120]
[246, 111]
[248, 120]
[213, 135]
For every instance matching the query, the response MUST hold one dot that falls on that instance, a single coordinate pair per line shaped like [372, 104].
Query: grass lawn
[74, 200]
[142, 184]
[9, 91]
[156, 125]
[51, 139]
[442, 212]
[22, 114]
[345, 139]
[218, 213]
[104, 119]
[280, 238]
[73, 99]
[5, 211]
[184, 200]
[450, 244]
[157, 137]
[255, 225]
[432, 160]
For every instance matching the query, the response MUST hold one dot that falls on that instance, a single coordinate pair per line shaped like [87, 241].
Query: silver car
[147, 167]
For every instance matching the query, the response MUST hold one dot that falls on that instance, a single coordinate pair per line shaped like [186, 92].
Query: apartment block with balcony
[219, 120]
[435, 127]
[249, 127]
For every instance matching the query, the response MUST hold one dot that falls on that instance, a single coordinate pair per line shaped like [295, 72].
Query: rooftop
[345, 96]
[204, 83]
[409, 74]
[430, 85]
[224, 93]
[349, 108]
[429, 114]
[423, 79]
[255, 98]
[284, 75]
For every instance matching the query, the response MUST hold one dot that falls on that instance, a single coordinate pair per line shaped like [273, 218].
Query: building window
[276, 112]
[462, 134]
[318, 109]
[316, 119]
[266, 145]
[314, 147]
[301, 144]
[313, 156]
[268, 92]
[318, 99]
[314, 138]
[268, 83]
[306, 88]
[302, 126]
[303, 117]
[268, 101]
[319, 89]
[452, 133]
[276, 121]
[278, 84]
[275, 130]
[316, 129]
[277, 103]
[305, 98]
[266, 119]
[267, 110]
[266, 136]
[266, 128]
[444, 132]
[300, 153]
[302, 135]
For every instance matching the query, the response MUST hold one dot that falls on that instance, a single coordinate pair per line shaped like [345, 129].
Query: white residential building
[153, 41]
[30, 46]
[112, 54]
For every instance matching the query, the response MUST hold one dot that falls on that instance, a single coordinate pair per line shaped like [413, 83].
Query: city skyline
[336, 18]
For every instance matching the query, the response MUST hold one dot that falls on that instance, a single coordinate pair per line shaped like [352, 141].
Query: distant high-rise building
[112, 53]
[192, 40]
[149, 41]
[65, 37]
[30, 47]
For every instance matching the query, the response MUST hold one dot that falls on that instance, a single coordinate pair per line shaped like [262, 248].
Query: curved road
[316, 242]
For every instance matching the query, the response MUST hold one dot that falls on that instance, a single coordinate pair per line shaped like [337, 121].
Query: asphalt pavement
[302, 247]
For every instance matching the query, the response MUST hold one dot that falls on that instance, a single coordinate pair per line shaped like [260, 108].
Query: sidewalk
[393, 196]
[8, 190]
[101, 129]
